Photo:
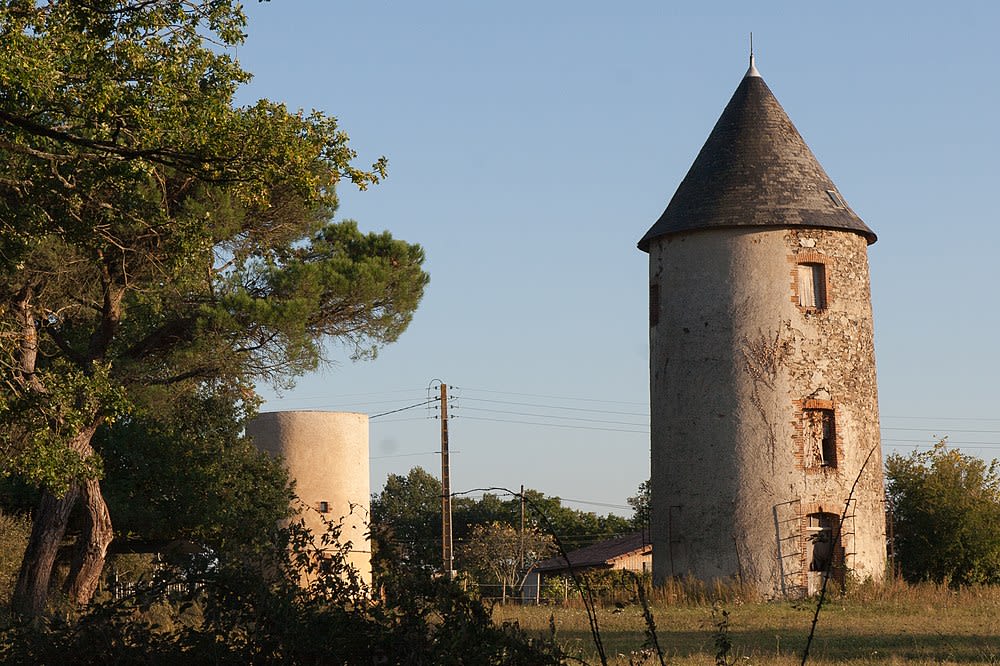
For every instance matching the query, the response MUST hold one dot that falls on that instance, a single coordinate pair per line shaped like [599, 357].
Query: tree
[945, 507]
[189, 474]
[156, 239]
[573, 528]
[497, 551]
[641, 506]
[406, 519]
[406, 516]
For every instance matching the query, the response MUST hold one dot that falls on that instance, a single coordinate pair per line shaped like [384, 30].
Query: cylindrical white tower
[326, 454]
[764, 416]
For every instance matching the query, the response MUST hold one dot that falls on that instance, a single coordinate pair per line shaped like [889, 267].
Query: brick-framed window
[818, 442]
[810, 283]
[820, 437]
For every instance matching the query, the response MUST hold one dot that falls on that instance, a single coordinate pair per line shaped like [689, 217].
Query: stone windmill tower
[764, 410]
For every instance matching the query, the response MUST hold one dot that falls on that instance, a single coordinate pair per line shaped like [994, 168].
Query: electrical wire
[552, 425]
[409, 455]
[403, 409]
[554, 397]
[575, 409]
[553, 416]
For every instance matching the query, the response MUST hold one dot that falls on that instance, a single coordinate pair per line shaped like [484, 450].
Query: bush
[296, 601]
[945, 509]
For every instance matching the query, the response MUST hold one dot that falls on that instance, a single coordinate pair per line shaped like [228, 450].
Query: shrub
[945, 507]
[296, 601]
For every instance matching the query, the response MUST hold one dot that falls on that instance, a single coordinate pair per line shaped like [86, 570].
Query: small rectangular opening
[823, 540]
[812, 286]
[820, 432]
[835, 198]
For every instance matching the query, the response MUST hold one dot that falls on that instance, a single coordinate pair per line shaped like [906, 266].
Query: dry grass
[893, 624]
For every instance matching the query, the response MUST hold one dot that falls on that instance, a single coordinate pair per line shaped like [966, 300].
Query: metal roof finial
[753, 67]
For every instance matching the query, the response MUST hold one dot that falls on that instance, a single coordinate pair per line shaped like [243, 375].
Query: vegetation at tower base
[155, 240]
[946, 509]
[251, 608]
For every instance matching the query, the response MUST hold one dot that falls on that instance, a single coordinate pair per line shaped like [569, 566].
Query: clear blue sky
[531, 144]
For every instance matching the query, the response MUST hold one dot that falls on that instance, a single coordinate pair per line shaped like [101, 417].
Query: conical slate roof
[755, 170]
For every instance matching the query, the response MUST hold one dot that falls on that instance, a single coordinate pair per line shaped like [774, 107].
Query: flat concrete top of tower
[755, 170]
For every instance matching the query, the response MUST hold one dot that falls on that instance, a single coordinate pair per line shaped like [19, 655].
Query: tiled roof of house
[755, 170]
[597, 554]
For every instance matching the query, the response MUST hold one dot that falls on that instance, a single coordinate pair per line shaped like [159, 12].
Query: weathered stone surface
[764, 407]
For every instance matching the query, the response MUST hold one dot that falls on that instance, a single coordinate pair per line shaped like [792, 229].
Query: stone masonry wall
[736, 365]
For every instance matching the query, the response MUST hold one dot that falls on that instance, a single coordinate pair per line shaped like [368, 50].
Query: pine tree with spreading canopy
[156, 239]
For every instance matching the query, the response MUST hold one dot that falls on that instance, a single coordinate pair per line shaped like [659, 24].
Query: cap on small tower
[755, 170]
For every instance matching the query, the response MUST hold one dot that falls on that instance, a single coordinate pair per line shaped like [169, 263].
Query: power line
[613, 506]
[575, 409]
[922, 443]
[944, 418]
[554, 397]
[553, 425]
[410, 455]
[552, 416]
[948, 429]
[403, 409]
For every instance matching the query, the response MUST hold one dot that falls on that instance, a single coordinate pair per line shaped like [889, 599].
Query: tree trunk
[92, 547]
[47, 529]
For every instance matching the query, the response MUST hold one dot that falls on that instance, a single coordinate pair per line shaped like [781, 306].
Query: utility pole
[446, 551]
[521, 549]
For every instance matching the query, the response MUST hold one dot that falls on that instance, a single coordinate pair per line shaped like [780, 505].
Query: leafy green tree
[946, 509]
[155, 238]
[407, 515]
[188, 474]
[573, 528]
[641, 506]
[502, 554]
[406, 519]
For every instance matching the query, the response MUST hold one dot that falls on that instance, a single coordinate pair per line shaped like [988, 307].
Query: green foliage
[406, 518]
[573, 528]
[186, 472]
[407, 513]
[641, 504]
[606, 585]
[156, 236]
[42, 424]
[254, 608]
[14, 530]
[500, 554]
[946, 508]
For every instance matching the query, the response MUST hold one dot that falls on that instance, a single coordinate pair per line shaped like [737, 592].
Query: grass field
[898, 624]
